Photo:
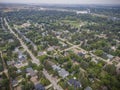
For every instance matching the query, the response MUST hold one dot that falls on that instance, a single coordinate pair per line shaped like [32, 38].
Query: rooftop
[55, 67]
[63, 73]
[31, 71]
[110, 56]
[88, 88]
[39, 87]
[75, 83]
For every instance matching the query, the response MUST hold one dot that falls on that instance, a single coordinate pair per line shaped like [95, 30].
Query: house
[110, 56]
[14, 83]
[50, 49]
[113, 48]
[91, 79]
[51, 64]
[94, 60]
[21, 57]
[116, 59]
[34, 46]
[66, 53]
[75, 83]
[30, 71]
[41, 53]
[39, 87]
[55, 67]
[10, 63]
[18, 71]
[88, 88]
[81, 54]
[103, 88]
[10, 40]
[63, 73]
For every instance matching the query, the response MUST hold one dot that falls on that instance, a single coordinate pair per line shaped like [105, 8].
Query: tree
[110, 69]
[39, 74]
[55, 73]
[68, 65]
[99, 52]
[1, 67]
[42, 58]
[12, 71]
[117, 53]
[4, 82]
[27, 85]
[44, 81]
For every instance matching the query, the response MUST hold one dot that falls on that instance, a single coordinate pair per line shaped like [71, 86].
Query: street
[34, 59]
[53, 82]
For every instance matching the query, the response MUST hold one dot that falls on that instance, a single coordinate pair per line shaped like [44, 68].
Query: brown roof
[116, 59]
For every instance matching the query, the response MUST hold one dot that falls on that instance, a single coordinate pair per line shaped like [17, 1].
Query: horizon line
[58, 3]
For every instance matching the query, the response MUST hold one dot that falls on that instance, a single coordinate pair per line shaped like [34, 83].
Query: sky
[63, 1]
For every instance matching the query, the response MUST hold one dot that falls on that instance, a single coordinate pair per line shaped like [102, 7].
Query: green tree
[99, 52]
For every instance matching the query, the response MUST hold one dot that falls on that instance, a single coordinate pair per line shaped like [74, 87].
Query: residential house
[39, 87]
[75, 83]
[116, 59]
[21, 57]
[63, 73]
[81, 54]
[110, 56]
[55, 67]
[50, 49]
[41, 53]
[14, 83]
[10, 40]
[30, 71]
[88, 88]
[94, 60]
[10, 63]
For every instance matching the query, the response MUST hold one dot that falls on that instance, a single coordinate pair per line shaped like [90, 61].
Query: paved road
[27, 39]
[53, 82]
[77, 46]
[34, 59]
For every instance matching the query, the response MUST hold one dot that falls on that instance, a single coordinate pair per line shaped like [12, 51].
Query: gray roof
[63, 73]
[10, 62]
[39, 87]
[55, 67]
[75, 83]
[14, 82]
[31, 71]
[40, 53]
[110, 56]
[22, 57]
[88, 88]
